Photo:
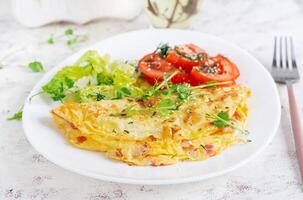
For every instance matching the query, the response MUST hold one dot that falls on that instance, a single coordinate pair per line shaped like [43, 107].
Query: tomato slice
[186, 56]
[219, 69]
[153, 67]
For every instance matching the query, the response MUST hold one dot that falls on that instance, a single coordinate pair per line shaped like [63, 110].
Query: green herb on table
[75, 40]
[1, 66]
[51, 40]
[36, 66]
[69, 31]
[72, 41]
[70, 35]
[17, 116]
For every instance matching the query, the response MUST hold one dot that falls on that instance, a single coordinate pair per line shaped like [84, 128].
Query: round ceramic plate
[262, 122]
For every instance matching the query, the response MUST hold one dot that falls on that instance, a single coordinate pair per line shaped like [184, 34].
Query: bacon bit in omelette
[186, 143]
[193, 151]
[148, 103]
[191, 118]
[119, 153]
[154, 164]
[175, 130]
[152, 138]
[72, 126]
[143, 150]
[81, 139]
[236, 115]
[166, 132]
[209, 148]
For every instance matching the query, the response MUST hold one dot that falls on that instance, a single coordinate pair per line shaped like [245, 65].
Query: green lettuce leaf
[93, 59]
[117, 74]
[63, 80]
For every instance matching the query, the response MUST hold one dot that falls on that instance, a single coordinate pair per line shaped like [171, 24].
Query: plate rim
[151, 181]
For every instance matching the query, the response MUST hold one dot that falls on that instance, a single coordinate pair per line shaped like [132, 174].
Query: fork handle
[296, 126]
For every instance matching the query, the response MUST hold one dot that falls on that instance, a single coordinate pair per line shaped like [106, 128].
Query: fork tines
[284, 66]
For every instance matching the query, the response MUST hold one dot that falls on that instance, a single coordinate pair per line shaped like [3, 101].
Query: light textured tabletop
[24, 174]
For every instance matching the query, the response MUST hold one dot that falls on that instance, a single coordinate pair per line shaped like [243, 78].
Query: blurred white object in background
[34, 13]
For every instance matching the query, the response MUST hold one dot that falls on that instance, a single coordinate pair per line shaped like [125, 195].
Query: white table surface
[24, 174]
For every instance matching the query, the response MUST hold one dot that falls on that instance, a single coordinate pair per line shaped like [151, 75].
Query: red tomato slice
[222, 69]
[153, 67]
[186, 56]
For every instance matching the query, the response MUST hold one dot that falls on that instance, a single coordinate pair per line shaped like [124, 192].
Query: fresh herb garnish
[211, 84]
[203, 147]
[222, 120]
[128, 112]
[195, 57]
[183, 90]
[17, 115]
[1, 66]
[36, 66]
[163, 50]
[155, 90]
[130, 122]
[69, 82]
[166, 106]
[126, 131]
[99, 97]
[125, 91]
[122, 92]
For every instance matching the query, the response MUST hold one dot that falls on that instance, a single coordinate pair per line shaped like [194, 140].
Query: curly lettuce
[117, 74]
[64, 80]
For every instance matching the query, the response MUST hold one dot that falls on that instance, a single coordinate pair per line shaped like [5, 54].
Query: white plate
[262, 122]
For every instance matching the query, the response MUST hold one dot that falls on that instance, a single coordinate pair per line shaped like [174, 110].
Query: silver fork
[284, 70]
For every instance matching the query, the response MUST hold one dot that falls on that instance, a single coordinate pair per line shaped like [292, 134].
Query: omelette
[136, 132]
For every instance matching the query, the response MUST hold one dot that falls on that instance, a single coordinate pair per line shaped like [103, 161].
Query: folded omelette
[148, 138]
